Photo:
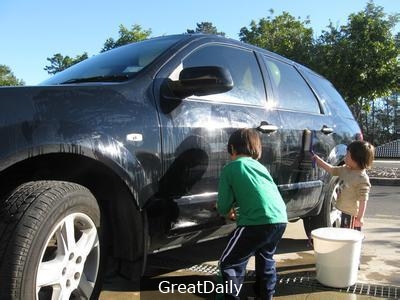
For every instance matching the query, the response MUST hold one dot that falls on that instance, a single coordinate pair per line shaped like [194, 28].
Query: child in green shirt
[247, 190]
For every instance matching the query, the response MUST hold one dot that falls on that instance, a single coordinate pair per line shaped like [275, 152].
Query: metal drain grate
[389, 292]
[204, 268]
[307, 280]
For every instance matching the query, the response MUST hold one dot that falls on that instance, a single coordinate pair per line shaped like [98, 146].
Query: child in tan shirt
[353, 197]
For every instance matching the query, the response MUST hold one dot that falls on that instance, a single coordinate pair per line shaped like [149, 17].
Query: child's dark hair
[362, 153]
[245, 141]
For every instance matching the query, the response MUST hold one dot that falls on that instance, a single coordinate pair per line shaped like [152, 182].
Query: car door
[305, 124]
[195, 132]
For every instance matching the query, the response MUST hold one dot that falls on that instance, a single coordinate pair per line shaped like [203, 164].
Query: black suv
[119, 156]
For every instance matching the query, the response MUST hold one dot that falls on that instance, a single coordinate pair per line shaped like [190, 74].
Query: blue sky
[33, 30]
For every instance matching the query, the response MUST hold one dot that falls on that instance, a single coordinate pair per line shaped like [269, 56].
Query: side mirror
[201, 81]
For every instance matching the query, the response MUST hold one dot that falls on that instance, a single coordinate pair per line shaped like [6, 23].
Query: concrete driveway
[378, 276]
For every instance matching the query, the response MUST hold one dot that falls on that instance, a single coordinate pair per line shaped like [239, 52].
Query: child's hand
[232, 214]
[313, 158]
[358, 222]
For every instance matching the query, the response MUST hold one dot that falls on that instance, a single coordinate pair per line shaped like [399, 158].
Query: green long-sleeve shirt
[246, 184]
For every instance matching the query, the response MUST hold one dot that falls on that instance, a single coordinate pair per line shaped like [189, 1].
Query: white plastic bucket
[337, 253]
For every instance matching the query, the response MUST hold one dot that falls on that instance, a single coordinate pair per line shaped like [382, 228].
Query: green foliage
[282, 34]
[361, 58]
[381, 124]
[59, 62]
[207, 28]
[7, 77]
[126, 36]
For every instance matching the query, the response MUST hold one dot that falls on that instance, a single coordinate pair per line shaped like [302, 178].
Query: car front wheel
[49, 237]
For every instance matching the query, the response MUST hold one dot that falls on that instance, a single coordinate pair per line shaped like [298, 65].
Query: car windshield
[116, 65]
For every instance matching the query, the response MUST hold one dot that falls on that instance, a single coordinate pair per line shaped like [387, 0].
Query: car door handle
[265, 127]
[326, 129]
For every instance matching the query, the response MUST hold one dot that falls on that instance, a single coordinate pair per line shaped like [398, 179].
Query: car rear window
[329, 95]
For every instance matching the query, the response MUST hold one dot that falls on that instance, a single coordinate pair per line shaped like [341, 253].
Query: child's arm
[225, 196]
[322, 164]
[359, 221]
[363, 198]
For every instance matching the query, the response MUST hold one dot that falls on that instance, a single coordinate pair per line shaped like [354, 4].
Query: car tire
[49, 242]
[329, 215]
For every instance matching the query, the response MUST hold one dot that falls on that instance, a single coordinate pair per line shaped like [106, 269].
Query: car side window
[291, 91]
[243, 66]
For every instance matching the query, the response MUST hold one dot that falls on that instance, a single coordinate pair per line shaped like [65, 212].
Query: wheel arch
[117, 195]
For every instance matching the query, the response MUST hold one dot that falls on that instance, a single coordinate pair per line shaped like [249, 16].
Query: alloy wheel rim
[70, 259]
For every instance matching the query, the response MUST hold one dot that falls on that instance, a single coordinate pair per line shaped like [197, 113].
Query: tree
[126, 36]
[382, 120]
[7, 77]
[207, 28]
[282, 34]
[59, 62]
[362, 60]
